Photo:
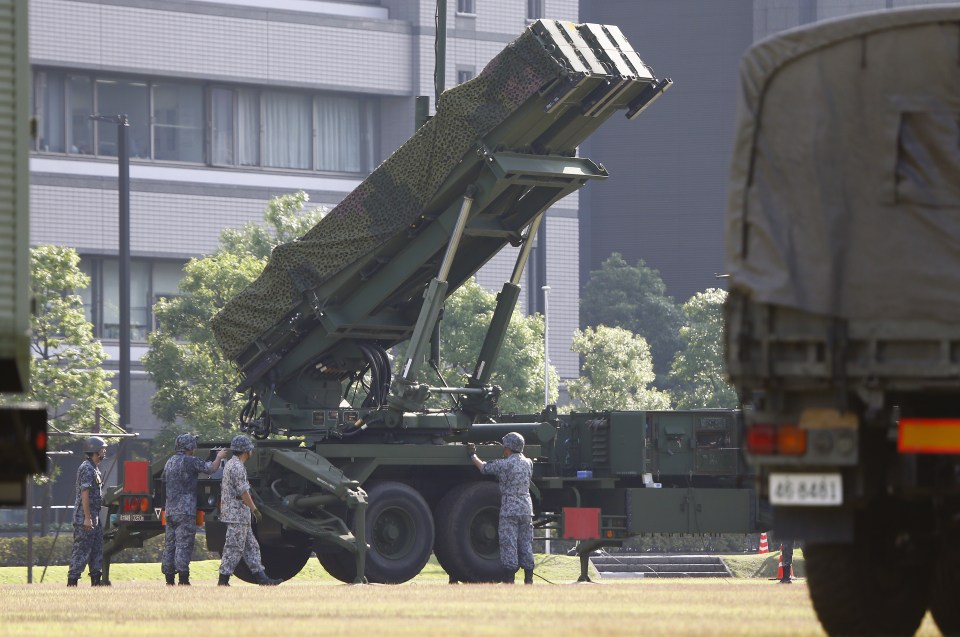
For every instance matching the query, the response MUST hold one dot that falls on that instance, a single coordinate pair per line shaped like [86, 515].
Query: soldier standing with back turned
[87, 530]
[516, 508]
[180, 474]
[236, 508]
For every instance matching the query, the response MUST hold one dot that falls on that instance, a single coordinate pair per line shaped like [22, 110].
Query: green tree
[519, 368]
[617, 371]
[66, 372]
[285, 219]
[196, 385]
[634, 298]
[698, 370]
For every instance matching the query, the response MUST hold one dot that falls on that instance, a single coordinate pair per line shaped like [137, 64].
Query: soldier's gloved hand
[257, 515]
[471, 449]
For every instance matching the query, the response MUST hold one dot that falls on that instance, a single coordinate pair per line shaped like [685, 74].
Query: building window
[132, 99]
[178, 122]
[149, 281]
[219, 125]
[534, 9]
[464, 75]
[467, 6]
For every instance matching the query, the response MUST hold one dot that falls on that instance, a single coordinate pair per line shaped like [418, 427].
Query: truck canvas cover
[404, 187]
[845, 181]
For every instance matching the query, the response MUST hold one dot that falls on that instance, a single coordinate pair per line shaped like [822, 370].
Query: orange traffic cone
[763, 544]
[780, 566]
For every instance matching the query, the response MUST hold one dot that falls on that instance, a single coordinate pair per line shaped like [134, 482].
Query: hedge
[13, 550]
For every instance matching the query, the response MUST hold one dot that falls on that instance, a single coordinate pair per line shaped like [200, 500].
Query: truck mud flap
[691, 510]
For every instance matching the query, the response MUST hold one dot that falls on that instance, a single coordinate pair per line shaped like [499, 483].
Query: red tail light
[144, 504]
[761, 439]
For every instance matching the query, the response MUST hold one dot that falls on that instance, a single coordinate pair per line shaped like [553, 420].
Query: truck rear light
[761, 439]
[928, 435]
[791, 440]
[144, 504]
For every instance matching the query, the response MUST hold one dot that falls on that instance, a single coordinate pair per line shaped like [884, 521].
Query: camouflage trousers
[516, 541]
[240, 543]
[87, 549]
[178, 542]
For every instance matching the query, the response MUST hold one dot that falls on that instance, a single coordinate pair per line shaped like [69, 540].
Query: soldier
[236, 507]
[181, 473]
[516, 508]
[87, 530]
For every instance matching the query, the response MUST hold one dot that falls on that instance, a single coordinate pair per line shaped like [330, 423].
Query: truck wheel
[399, 529]
[946, 583]
[280, 562]
[467, 544]
[862, 589]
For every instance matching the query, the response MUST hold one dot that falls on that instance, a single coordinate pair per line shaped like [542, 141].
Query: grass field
[313, 604]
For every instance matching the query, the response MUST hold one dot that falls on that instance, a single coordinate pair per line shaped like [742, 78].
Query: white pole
[546, 349]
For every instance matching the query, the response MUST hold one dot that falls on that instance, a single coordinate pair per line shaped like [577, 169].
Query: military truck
[841, 325]
[23, 426]
[332, 478]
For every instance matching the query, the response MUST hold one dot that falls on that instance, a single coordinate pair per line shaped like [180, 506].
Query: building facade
[230, 104]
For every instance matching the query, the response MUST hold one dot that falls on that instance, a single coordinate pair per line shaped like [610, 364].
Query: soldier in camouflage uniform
[87, 530]
[180, 474]
[513, 471]
[236, 508]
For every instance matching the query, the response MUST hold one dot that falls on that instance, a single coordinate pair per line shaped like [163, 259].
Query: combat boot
[72, 581]
[509, 575]
[96, 579]
[263, 580]
[224, 580]
[170, 579]
[184, 578]
[528, 576]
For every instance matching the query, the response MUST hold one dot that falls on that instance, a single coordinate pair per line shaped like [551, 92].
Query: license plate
[129, 517]
[806, 489]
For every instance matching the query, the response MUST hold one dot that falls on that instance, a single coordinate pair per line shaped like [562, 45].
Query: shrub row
[13, 550]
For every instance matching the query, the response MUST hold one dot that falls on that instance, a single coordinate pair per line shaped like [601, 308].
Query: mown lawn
[313, 604]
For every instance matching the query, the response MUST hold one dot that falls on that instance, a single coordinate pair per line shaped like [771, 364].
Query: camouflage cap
[93, 444]
[514, 442]
[241, 444]
[186, 442]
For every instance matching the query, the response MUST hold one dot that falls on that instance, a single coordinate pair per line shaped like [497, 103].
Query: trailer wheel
[399, 528]
[877, 586]
[946, 583]
[340, 564]
[280, 562]
[467, 544]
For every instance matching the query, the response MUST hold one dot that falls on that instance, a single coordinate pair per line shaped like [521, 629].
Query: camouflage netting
[393, 196]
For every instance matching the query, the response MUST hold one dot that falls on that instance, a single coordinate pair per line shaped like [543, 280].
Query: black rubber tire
[399, 528]
[468, 544]
[279, 562]
[877, 586]
[340, 564]
[946, 584]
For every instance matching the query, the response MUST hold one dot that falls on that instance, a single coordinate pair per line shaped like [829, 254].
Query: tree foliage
[519, 368]
[195, 383]
[698, 370]
[617, 371]
[66, 372]
[634, 298]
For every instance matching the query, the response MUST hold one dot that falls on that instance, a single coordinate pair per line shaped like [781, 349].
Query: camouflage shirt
[234, 484]
[180, 473]
[88, 477]
[514, 474]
